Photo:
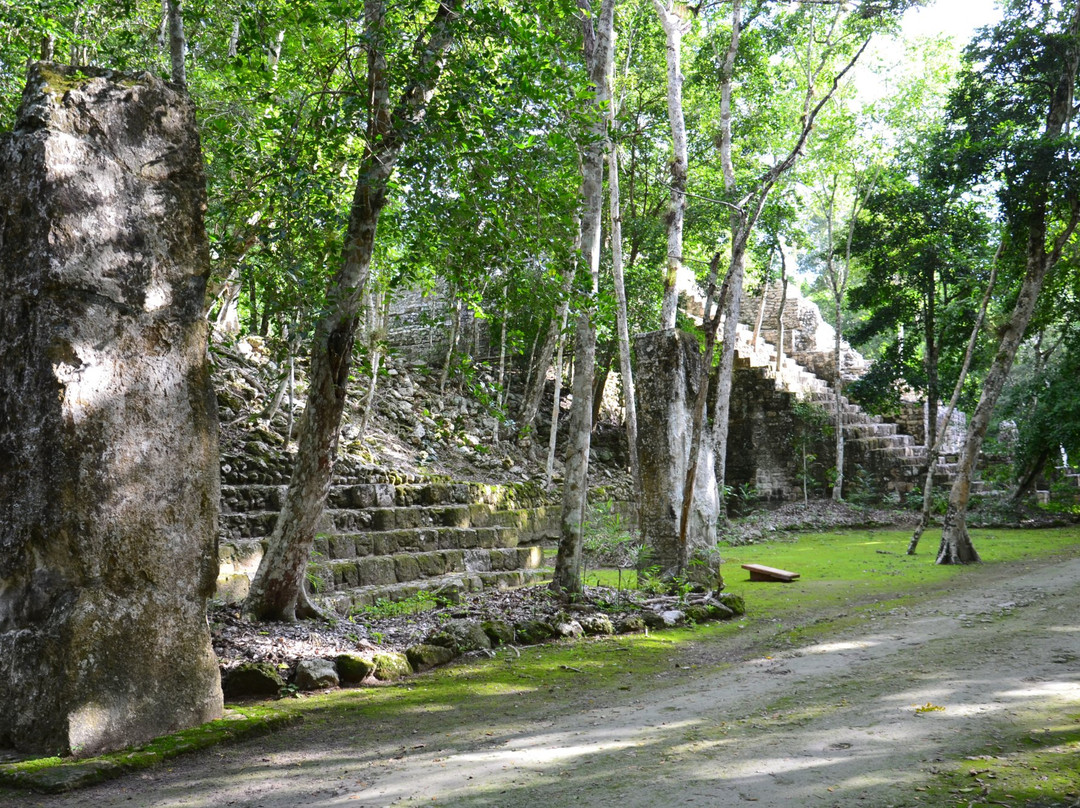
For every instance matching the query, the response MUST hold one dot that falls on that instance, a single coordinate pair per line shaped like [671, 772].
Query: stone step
[409, 540]
[256, 524]
[386, 570]
[453, 585]
[269, 497]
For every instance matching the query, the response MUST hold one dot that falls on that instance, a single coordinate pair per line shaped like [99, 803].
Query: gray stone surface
[253, 679]
[315, 674]
[461, 635]
[108, 427]
[423, 657]
[666, 379]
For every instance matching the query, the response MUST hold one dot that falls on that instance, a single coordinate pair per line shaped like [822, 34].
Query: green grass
[870, 565]
[844, 577]
[55, 774]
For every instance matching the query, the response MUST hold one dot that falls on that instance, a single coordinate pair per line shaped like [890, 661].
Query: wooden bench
[759, 572]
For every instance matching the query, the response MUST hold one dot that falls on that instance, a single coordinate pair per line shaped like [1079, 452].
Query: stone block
[667, 379]
[376, 571]
[406, 567]
[315, 674]
[109, 472]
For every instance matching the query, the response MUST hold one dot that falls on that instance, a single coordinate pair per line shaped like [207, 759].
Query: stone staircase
[874, 444]
[892, 459]
[384, 535]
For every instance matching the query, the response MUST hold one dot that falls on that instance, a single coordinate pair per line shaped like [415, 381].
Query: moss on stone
[53, 774]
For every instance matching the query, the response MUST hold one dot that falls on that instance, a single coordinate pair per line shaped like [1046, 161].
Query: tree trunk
[674, 29]
[177, 44]
[956, 546]
[556, 406]
[601, 373]
[1026, 483]
[932, 455]
[451, 348]
[625, 364]
[838, 397]
[710, 321]
[780, 315]
[598, 55]
[277, 592]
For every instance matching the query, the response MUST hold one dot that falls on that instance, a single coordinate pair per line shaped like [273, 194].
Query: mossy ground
[846, 578]
[55, 774]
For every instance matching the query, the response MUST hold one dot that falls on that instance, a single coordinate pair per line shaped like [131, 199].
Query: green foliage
[384, 607]
[606, 541]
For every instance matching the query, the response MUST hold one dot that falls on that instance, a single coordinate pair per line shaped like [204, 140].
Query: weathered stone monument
[666, 377]
[108, 428]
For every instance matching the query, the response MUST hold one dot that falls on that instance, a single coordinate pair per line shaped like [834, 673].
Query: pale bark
[780, 319]
[935, 449]
[234, 37]
[625, 364]
[451, 348]
[598, 47]
[745, 218]
[710, 321]
[277, 591]
[376, 317]
[177, 43]
[674, 30]
[956, 546]
[556, 406]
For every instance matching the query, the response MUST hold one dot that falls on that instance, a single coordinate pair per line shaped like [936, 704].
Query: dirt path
[830, 724]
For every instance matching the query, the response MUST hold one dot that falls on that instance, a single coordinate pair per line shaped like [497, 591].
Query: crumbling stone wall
[665, 376]
[764, 441]
[420, 323]
[108, 429]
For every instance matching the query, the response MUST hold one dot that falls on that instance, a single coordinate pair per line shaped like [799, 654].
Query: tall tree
[673, 17]
[599, 36]
[835, 39]
[277, 592]
[1014, 115]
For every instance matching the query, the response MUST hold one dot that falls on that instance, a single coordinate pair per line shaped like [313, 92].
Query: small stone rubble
[253, 654]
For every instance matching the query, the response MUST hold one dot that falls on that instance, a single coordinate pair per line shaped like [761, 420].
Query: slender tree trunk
[376, 316]
[710, 321]
[780, 313]
[838, 398]
[934, 451]
[598, 56]
[956, 546]
[743, 221]
[626, 369]
[556, 406]
[501, 398]
[177, 43]
[534, 393]
[1026, 484]
[933, 386]
[451, 348]
[277, 592]
[674, 29]
[760, 319]
[234, 37]
[601, 373]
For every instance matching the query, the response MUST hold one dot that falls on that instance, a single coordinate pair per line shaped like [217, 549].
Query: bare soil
[733, 721]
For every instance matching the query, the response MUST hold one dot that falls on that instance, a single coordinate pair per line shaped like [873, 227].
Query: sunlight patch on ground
[834, 647]
[424, 709]
[1043, 690]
